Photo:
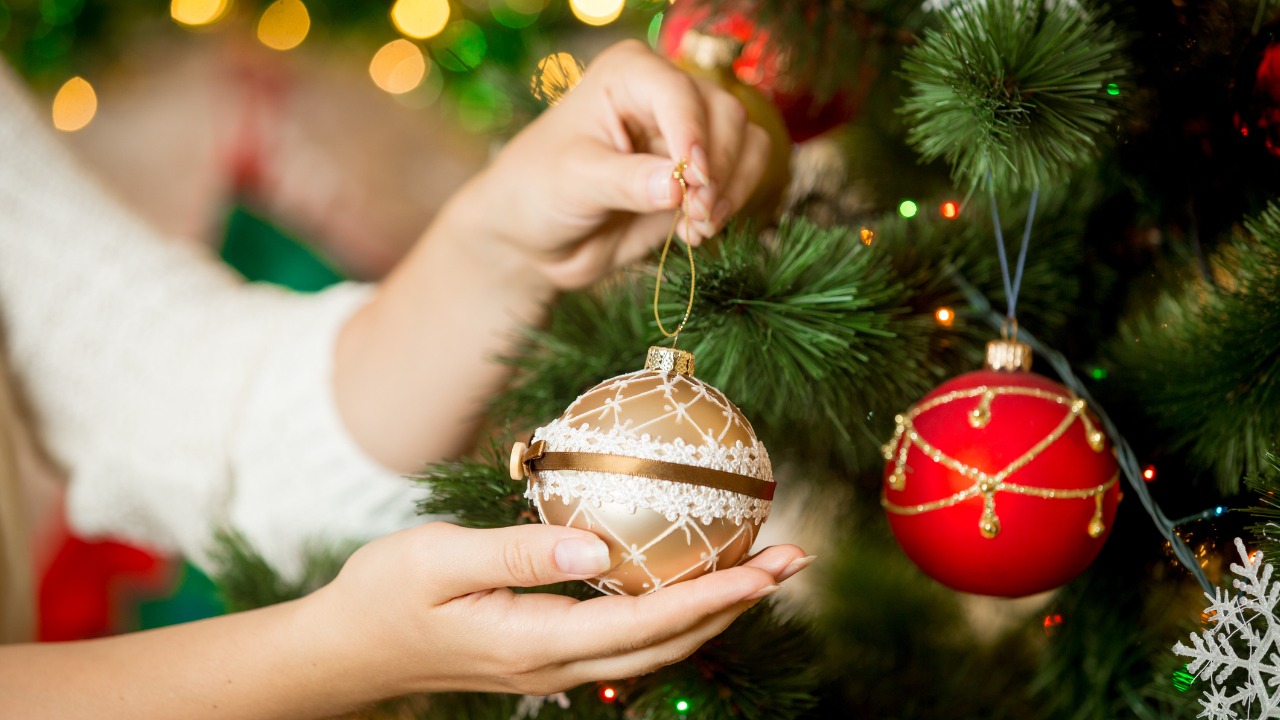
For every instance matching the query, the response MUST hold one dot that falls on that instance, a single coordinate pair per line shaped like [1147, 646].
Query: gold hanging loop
[681, 211]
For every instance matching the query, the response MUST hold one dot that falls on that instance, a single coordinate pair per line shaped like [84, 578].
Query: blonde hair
[17, 594]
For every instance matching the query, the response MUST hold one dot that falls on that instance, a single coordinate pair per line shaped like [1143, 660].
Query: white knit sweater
[178, 398]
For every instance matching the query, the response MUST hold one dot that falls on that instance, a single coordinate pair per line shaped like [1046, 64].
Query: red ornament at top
[764, 67]
[999, 482]
[1256, 93]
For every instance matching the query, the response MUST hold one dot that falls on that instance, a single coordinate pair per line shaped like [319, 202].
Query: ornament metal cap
[710, 52]
[1008, 356]
[669, 360]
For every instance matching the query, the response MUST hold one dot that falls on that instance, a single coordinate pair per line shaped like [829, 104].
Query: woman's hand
[582, 191]
[588, 187]
[429, 609]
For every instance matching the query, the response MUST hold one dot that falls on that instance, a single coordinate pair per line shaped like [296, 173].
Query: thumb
[632, 182]
[521, 556]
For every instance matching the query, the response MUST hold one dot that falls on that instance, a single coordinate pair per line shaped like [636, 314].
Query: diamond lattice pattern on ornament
[658, 416]
[684, 528]
[1238, 654]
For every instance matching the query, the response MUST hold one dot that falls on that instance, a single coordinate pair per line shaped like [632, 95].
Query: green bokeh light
[511, 17]
[1113, 89]
[482, 107]
[461, 47]
[655, 27]
[1098, 373]
[682, 706]
[1182, 680]
[908, 208]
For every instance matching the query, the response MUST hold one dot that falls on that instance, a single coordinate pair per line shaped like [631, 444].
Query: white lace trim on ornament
[670, 499]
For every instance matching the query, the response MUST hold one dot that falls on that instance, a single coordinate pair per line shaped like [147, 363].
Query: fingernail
[701, 210]
[582, 557]
[660, 187]
[721, 212]
[796, 566]
[698, 165]
[765, 591]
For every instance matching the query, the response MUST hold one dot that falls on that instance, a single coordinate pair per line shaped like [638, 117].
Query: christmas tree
[1130, 157]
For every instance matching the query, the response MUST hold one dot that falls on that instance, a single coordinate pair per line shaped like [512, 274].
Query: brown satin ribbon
[536, 459]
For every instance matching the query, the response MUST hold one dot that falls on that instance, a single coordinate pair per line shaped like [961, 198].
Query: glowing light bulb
[597, 12]
[682, 706]
[284, 24]
[75, 105]
[398, 67]
[557, 74]
[950, 209]
[420, 19]
[608, 694]
[655, 29]
[908, 208]
[945, 316]
[866, 235]
[195, 13]
[1149, 473]
[1113, 89]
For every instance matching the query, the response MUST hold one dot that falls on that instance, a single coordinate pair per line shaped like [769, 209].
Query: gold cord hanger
[681, 211]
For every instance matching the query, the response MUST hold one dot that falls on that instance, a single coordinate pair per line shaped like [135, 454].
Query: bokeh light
[945, 316]
[950, 209]
[556, 75]
[597, 12]
[398, 67]
[420, 19]
[907, 208]
[284, 24]
[608, 694]
[75, 105]
[1149, 473]
[655, 30]
[195, 13]
[516, 14]
[1113, 89]
[461, 47]
[482, 107]
[867, 235]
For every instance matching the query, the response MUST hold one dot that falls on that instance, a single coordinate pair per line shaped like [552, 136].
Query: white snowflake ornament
[1239, 653]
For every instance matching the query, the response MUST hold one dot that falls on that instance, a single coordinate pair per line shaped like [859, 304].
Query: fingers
[470, 561]
[650, 92]
[634, 182]
[781, 561]
[727, 126]
[618, 624]
[753, 159]
[668, 652]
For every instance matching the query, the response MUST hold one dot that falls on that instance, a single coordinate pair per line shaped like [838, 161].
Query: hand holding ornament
[429, 609]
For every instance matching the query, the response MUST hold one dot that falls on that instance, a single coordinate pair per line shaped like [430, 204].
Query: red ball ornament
[999, 482]
[1256, 91]
[765, 67]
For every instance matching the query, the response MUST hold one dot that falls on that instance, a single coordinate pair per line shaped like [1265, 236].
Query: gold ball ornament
[658, 464]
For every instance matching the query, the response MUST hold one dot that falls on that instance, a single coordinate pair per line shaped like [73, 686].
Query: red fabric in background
[81, 591]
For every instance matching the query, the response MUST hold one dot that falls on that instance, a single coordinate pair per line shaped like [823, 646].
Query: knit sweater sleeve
[178, 398]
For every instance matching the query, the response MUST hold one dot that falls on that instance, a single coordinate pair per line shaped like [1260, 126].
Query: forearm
[278, 662]
[415, 366]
